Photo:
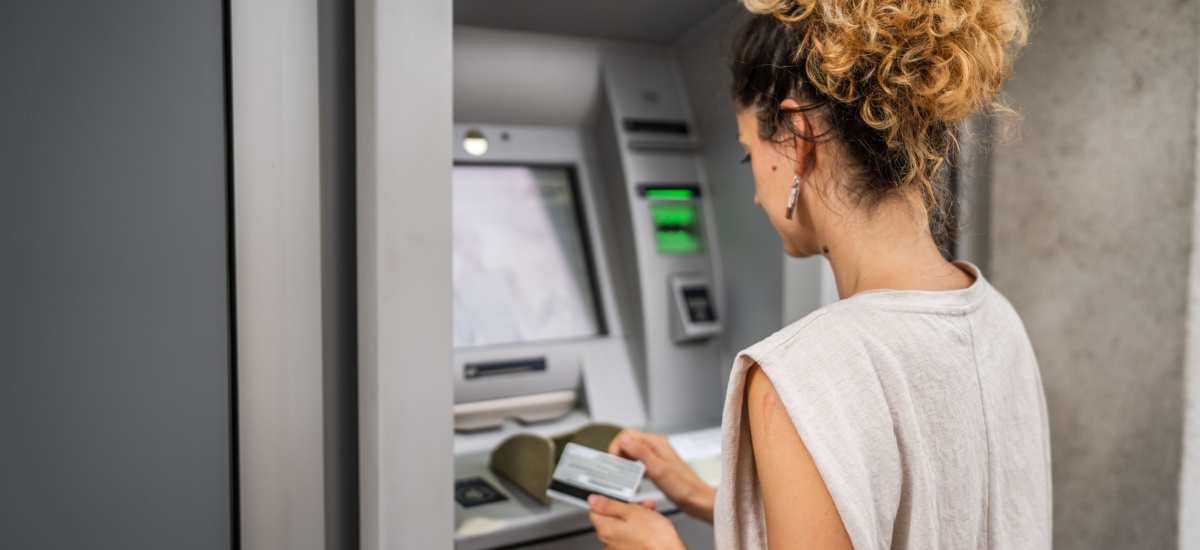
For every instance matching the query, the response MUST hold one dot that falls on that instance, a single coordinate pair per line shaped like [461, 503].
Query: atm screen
[521, 271]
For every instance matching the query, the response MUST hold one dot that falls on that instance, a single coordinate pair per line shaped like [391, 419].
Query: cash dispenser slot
[496, 368]
[527, 388]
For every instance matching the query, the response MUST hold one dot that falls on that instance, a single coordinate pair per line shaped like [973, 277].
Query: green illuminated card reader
[675, 212]
[694, 313]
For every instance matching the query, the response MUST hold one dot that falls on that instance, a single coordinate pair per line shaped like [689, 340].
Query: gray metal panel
[114, 323]
[681, 381]
[660, 21]
[276, 163]
[641, 84]
[403, 54]
[504, 77]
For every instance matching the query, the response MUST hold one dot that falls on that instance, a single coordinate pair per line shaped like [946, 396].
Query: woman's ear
[802, 149]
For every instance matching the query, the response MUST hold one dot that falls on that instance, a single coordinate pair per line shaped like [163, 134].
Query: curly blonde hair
[899, 76]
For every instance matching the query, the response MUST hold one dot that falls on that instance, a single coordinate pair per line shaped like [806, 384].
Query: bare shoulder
[800, 510]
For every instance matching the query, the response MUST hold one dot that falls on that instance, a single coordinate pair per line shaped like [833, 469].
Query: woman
[910, 414]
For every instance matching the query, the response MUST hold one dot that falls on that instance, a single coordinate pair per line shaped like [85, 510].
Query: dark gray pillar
[114, 296]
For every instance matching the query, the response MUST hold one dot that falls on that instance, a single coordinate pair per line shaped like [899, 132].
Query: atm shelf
[519, 519]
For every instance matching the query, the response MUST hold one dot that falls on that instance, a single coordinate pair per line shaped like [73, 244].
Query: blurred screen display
[520, 266]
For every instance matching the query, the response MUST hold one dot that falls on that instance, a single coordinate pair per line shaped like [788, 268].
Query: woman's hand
[623, 526]
[670, 473]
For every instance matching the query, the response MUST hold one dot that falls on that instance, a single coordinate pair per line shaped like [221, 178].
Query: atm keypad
[475, 491]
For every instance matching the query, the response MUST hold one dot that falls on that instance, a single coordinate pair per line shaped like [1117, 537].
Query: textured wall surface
[1092, 215]
[1189, 484]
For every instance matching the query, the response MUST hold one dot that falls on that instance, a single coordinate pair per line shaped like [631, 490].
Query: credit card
[582, 472]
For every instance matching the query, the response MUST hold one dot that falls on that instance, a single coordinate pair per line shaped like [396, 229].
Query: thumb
[606, 506]
[633, 445]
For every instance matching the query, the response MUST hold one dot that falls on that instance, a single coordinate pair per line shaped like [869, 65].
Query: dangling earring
[791, 207]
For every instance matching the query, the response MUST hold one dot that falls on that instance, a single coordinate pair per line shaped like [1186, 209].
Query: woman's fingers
[621, 526]
[640, 445]
[649, 448]
[653, 450]
[607, 507]
[667, 470]
[615, 447]
[660, 445]
[634, 445]
[605, 526]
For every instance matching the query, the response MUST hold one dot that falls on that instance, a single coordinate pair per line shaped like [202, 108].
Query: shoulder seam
[800, 329]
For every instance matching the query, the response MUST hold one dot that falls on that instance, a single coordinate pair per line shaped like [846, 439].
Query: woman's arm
[800, 511]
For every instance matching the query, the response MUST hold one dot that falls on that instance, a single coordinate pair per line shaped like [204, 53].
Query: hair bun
[917, 67]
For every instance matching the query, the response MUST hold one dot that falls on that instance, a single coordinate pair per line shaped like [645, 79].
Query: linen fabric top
[923, 411]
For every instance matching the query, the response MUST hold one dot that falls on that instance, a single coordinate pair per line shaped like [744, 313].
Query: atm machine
[587, 288]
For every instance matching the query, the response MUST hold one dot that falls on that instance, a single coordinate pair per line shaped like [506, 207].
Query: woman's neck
[891, 249]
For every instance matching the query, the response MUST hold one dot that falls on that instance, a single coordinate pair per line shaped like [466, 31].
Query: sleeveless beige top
[923, 411]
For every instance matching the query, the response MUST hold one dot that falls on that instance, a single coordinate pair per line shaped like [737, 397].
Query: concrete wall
[1189, 485]
[1092, 218]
